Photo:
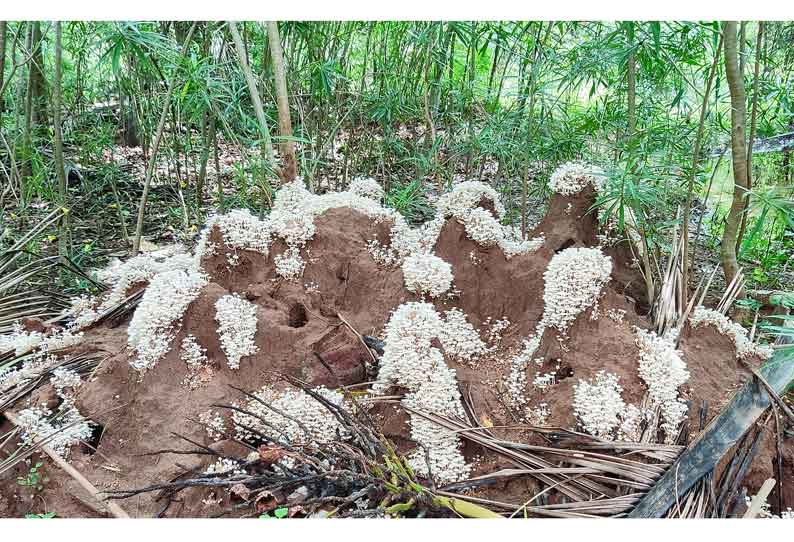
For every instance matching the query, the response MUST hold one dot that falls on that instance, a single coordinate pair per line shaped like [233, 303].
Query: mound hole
[566, 371]
[92, 443]
[567, 244]
[296, 317]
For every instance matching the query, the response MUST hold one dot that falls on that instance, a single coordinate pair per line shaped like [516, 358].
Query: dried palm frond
[24, 450]
[7, 258]
[119, 312]
[29, 304]
[733, 434]
[669, 311]
[82, 364]
[42, 445]
[25, 289]
[26, 277]
[720, 496]
[596, 477]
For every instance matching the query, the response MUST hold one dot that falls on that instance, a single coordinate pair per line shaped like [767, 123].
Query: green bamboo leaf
[656, 31]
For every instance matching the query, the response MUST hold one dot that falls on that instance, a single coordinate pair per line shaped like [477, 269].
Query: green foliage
[48, 515]
[507, 101]
[34, 479]
[781, 326]
[410, 200]
[279, 513]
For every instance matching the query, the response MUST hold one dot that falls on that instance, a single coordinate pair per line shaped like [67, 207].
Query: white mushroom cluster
[573, 282]
[468, 195]
[21, 341]
[65, 381]
[459, 339]
[62, 430]
[516, 381]
[289, 264]
[295, 417]
[572, 177]
[155, 322]
[383, 255]
[198, 366]
[292, 220]
[42, 349]
[599, 404]
[295, 210]
[411, 361]
[121, 276]
[225, 465]
[214, 424]
[426, 274]
[463, 203]
[236, 319]
[192, 353]
[744, 346]
[601, 410]
[82, 311]
[663, 370]
[239, 229]
[366, 188]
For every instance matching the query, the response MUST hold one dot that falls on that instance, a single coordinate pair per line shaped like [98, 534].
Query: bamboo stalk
[136, 242]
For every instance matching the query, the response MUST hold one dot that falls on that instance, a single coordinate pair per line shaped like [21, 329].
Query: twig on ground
[113, 508]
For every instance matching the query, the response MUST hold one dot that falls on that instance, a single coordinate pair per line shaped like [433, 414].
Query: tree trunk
[266, 144]
[3, 26]
[206, 138]
[63, 250]
[753, 128]
[631, 90]
[136, 243]
[536, 56]
[439, 69]
[287, 146]
[738, 152]
[742, 45]
[129, 125]
[27, 136]
[37, 81]
[213, 135]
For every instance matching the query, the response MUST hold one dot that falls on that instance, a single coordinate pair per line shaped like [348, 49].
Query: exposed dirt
[299, 325]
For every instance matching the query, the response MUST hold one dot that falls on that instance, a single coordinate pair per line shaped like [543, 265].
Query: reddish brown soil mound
[299, 322]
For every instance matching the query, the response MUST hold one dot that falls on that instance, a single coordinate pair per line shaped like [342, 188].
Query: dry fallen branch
[113, 508]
